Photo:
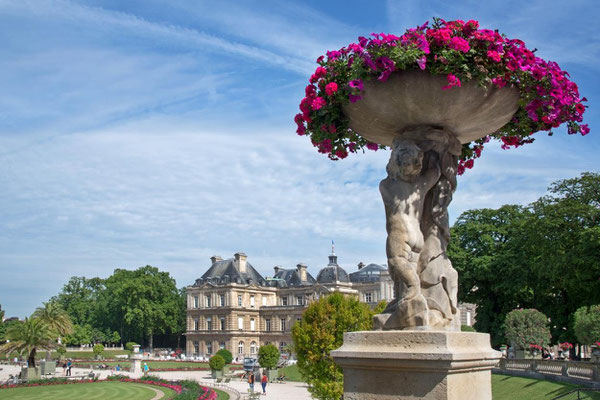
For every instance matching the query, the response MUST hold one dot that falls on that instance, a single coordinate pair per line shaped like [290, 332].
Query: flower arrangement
[535, 347]
[565, 346]
[458, 50]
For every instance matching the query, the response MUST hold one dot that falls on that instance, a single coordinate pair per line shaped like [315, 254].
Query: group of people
[263, 381]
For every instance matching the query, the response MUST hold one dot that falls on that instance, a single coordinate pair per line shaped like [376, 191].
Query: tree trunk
[31, 359]
[150, 341]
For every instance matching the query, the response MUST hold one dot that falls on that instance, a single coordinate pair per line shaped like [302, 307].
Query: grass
[151, 364]
[222, 395]
[515, 388]
[88, 391]
[292, 373]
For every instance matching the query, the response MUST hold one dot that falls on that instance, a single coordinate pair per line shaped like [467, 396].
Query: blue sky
[161, 133]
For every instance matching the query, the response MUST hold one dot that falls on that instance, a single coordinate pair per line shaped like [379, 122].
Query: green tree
[28, 337]
[587, 324]
[98, 349]
[268, 356]
[115, 338]
[129, 346]
[55, 317]
[82, 334]
[226, 354]
[2, 326]
[79, 298]
[320, 331]
[141, 303]
[526, 327]
[216, 363]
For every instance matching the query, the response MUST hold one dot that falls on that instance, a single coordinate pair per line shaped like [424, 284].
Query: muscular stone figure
[404, 192]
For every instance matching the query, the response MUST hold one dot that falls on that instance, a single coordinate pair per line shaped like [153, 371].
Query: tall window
[209, 324]
[284, 301]
[196, 347]
[208, 347]
[300, 300]
[264, 301]
[196, 301]
[241, 323]
[252, 324]
[252, 301]
[241, 348]
[253, 348]
[208, 304]
[221, 345]
[282, 346]
[239, 300]
[368, 297]
[268, 324]
[282, 325]
[222, 300]
[196, 324]
[222, 323]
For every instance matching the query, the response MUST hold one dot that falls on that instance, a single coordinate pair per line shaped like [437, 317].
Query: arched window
[241, 348]
[253, 347]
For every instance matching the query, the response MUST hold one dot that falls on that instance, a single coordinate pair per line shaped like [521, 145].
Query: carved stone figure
[416, 194]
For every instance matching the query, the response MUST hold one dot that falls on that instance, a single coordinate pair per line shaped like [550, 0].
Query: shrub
[268, 356]
[226, 354]
[216, 363]
[527, 327]
[98, 349]
[587, 324]
[129, 345]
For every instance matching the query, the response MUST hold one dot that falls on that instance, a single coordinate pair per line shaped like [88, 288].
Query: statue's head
[406, 160]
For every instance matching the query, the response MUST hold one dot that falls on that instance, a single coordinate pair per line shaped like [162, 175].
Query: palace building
[233, 307]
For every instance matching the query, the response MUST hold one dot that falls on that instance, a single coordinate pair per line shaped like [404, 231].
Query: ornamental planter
[411, 99]
[216, 374]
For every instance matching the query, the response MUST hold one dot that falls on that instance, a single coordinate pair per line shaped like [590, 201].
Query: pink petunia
[453, 81]
[421, 62]
[318, 103]
[459, 44]
[331, 88]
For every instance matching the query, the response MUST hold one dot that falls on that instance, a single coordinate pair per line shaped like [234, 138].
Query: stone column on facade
[418, 350]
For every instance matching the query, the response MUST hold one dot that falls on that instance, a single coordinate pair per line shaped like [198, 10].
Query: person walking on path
[146, 368]
[251, 381]
[69, 365]
[263, 382]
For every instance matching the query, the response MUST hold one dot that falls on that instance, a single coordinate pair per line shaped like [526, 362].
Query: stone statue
[416, 194]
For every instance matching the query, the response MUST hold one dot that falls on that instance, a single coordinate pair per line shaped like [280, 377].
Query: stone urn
[417, 349]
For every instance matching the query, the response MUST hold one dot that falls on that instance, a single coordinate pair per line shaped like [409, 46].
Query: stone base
[402, 365]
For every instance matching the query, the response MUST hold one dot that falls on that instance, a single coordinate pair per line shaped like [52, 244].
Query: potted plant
[534, 350]
[228, 357]
[98, 349]
[216, 364]
[268, 358]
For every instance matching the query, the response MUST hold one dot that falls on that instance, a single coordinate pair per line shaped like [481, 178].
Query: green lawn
[515, 388]
[292, 373]
[88, 391]
[222, 395]
[152, 364]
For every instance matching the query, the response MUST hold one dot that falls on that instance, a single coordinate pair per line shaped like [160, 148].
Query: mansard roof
[370, 273]
[291, 277]
[332, 272]
[226, 271]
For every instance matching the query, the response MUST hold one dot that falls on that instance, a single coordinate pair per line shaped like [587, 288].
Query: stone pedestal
[402, 365]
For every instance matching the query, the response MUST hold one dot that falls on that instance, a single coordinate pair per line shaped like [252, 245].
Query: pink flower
[331, 88]
[356, 84]
[310, 91]
[372, 146]
[584, 131]
[494, 55]
[469, 164]
[453, 81]
[341, 154]
[354, 98]
[421, 62]
[318, 103]
[301, 130]
[459, 44]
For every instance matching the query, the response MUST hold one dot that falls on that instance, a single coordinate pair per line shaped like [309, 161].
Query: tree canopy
[268, 356]
[587, 324]
[544, 255]
[527, 327]
[28, 337]
[320, 331]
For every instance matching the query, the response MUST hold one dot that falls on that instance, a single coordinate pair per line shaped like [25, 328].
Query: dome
[333, 272]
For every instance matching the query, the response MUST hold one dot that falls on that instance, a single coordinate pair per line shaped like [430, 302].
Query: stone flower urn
[417, 349]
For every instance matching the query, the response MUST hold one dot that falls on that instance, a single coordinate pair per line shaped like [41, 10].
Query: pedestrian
[64, 368]
[118, 367]
[146, 369]
[69, 366]
[263, 382]
[251, 381]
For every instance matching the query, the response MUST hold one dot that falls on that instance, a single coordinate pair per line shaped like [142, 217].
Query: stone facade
[232, 306]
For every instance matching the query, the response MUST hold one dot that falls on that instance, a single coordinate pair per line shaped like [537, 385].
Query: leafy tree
[115, 338]
[129, 346]
[216, 363]
[79, 298]
[268, 356]
[82, 334]
[526, 327]
[28, 337]
[226, 354]
[320, 331]
[98, 349]
[98, 336]
[587, 324]
[140, 303]
[2, 326]
[61, 350]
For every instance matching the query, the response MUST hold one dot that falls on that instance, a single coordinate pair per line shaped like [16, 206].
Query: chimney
[302, 271]
[214, 259]
[276, 269]
[360, 265]
[240, 259]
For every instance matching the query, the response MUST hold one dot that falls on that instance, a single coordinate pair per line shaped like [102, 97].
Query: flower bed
[455, 49]
[186, 390]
